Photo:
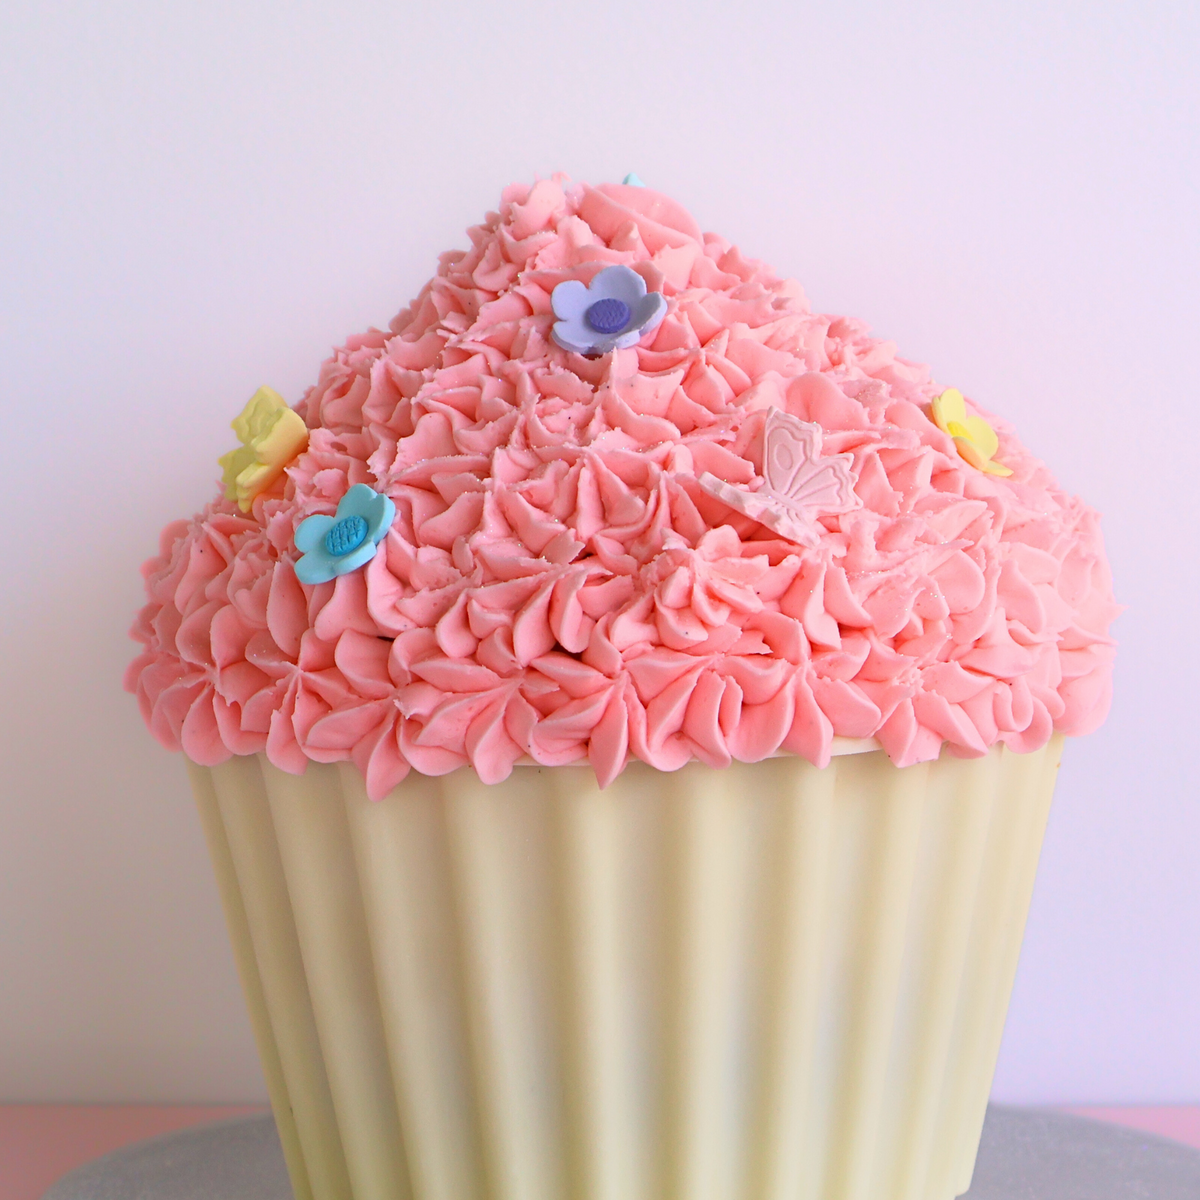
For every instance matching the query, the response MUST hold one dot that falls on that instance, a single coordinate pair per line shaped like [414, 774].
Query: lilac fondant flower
[612, 312]
[340, 544]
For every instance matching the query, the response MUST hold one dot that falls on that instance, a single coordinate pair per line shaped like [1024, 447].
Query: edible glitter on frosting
[612, 312]
[336, 545]
[272, 435]
[557, 585]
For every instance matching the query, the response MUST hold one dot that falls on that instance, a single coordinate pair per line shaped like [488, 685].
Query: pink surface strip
[39, 1143]
[1179, 1122]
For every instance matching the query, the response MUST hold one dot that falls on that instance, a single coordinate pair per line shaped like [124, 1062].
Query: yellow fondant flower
[271, 435]
[975, 438]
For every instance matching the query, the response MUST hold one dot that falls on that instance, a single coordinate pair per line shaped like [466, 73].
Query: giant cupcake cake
[623, 706]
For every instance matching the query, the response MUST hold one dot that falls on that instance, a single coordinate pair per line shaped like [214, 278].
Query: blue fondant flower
[340, 544]
[612, 312]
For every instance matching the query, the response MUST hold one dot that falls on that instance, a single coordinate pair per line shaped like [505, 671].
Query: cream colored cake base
[766, 983]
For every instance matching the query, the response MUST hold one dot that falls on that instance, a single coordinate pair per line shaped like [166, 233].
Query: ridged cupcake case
[766, 982]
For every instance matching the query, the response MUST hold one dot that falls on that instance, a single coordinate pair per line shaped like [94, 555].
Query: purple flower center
[348, 534]
[607, 316]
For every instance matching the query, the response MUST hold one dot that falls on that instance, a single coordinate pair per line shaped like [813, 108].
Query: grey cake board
[1025, 1155]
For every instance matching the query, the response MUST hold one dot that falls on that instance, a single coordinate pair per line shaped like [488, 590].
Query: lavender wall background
[195, 200]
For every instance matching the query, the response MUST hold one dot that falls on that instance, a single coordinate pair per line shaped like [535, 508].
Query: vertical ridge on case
[326, 898]
[884, 830]
[1027, 786]
[709, 821]
[254, 849]
[252, 986]
[589, 825]
[645, 891]
[500, 868]
[959, 807]
[403, 859]
[782, 1160]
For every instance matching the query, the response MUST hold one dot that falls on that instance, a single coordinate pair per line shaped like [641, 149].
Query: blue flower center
[348, 534]
[607, 316]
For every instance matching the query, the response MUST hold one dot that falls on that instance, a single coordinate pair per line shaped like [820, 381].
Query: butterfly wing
[823, 487]
[788, 445]
[798, 475]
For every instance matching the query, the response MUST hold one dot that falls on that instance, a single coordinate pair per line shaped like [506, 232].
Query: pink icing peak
[594, 559]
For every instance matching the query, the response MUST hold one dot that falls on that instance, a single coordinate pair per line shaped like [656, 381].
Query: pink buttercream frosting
[557, 584]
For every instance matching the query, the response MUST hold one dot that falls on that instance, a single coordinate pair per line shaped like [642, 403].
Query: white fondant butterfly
[799, 484]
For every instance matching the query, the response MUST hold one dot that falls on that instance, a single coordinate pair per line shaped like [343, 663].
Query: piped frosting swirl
[558, 585]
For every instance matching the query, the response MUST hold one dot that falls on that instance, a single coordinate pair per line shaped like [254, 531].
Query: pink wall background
[195, 200]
